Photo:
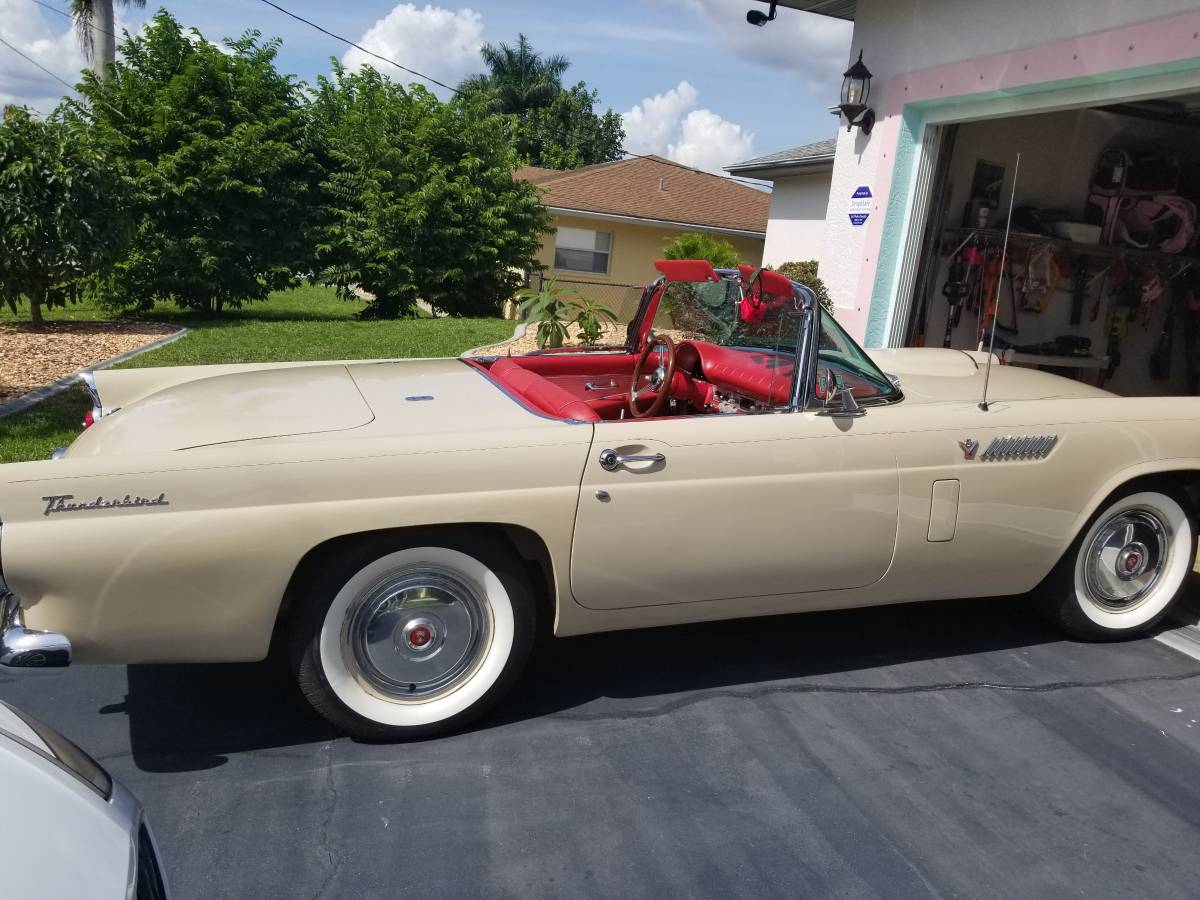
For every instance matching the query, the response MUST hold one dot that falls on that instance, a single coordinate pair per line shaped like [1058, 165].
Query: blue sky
[695, 81]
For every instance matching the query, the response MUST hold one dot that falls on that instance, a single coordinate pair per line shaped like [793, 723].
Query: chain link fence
[622, 299]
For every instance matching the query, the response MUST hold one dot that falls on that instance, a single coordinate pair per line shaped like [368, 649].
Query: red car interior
[540, 393]
[593, 386]
[757, 374]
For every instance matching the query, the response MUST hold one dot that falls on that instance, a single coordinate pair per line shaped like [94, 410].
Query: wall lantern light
[856, 88]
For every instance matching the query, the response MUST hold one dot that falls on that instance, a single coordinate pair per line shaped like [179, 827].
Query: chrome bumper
[25, 650]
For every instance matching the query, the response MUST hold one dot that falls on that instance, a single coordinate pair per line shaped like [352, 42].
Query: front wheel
[1123, 573]
[391, 643]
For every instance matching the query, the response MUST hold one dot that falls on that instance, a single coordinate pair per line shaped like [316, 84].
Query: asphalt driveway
[955, 749]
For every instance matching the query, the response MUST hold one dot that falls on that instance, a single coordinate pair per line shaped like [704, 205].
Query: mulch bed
[31, 358]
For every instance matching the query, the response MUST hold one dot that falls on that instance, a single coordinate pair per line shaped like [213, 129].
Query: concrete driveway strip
[942, 750]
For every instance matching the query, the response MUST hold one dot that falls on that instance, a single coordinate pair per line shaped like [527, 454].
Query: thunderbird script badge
[61, 503]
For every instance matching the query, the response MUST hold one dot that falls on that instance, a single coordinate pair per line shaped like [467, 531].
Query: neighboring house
[801, 176]
[612, 219]
[960, 87]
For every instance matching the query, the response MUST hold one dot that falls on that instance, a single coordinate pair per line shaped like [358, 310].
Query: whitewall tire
[393, 642]
[1125, 570]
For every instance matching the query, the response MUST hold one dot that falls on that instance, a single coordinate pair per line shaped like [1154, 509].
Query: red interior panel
[541, 393]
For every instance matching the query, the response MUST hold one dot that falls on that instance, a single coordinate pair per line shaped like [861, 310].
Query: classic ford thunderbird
[401, 526]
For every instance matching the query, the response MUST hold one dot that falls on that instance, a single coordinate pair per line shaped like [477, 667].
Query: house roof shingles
[631, 187]
[805, 154]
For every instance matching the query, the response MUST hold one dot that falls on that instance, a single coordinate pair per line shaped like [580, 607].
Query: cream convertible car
[403, 525]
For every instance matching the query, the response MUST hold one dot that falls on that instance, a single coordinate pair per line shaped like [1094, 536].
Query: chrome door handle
[596, 386]
[610, 459]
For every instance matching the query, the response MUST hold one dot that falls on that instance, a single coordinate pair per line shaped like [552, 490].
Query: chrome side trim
[1019, 447]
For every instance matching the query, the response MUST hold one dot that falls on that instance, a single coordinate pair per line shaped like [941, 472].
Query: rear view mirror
[837, 398]
[826, 385]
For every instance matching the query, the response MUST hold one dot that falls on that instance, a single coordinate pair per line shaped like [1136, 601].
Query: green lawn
[309, 322]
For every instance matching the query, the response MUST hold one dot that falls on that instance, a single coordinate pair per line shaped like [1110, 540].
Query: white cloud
[22, 83]
[670, 124]
[812, 48]
[441, 43]
[706, 141]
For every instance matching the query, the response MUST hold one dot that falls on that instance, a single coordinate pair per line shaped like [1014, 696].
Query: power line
[455, 90]
[66, 84]
[30, 60]
[344, 40]
[67, 15]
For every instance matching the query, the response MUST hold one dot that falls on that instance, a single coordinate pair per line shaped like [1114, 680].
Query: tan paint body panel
[742, 506]
[787, 512]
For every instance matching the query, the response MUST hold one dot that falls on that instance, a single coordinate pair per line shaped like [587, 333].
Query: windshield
[721, 313]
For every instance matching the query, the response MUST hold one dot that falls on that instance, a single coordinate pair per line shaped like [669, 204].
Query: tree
[96, 25]
[219, 151]
[553, 126]
[518, 78]
[697, 245]
[567, 133]
[61, 211]
[421, 202]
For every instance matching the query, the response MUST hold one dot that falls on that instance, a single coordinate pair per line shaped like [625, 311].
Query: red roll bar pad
[687, 269]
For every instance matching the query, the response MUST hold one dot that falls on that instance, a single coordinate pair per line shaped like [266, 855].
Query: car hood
[236, 406]
[934, 375]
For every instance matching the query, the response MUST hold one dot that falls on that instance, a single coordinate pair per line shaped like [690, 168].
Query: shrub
[697, 245]
[805, 272]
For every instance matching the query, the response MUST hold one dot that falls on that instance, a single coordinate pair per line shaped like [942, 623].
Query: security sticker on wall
[860, 205]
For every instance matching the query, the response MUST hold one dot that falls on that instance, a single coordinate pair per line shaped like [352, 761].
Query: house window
[582, 250]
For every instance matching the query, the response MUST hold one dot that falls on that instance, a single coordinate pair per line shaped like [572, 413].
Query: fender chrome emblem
[969, 446]
[60, 503]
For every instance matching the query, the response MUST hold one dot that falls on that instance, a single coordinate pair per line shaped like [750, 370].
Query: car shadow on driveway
[190, 717]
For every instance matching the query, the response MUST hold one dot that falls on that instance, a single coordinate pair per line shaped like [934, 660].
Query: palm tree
[97, 29]
[518, 78]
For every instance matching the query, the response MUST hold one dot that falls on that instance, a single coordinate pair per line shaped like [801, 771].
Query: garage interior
[1102, 276]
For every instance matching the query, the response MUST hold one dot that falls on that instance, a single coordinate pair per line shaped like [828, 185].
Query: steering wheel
[662, 379]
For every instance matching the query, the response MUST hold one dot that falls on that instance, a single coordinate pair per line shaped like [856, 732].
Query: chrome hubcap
[417, 633]
[1125, 559]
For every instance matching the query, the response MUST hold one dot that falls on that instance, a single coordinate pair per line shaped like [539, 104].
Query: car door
[739, 505]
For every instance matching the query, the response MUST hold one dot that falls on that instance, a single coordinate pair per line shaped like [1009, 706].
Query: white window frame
[607, 253]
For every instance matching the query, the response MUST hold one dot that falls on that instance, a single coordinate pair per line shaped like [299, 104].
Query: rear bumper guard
[26, 650]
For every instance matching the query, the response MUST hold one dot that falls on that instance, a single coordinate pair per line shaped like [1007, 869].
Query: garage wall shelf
[1097, 251]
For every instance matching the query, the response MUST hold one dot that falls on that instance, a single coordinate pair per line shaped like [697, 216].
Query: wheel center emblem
[419, 635]
[1131, 561]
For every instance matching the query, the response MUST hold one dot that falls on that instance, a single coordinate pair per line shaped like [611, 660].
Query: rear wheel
[1123, 573]
[394, 642]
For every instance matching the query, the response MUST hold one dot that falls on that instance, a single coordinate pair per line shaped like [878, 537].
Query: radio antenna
[987, 373]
